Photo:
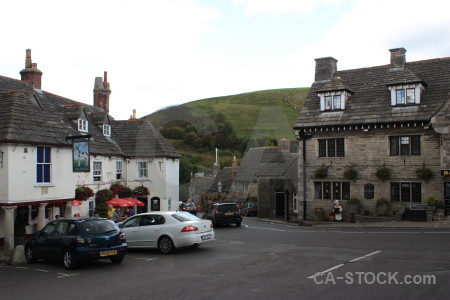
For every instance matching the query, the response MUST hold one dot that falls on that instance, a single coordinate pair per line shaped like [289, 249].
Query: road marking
[146, 259]
[25, 268]
[40, 270]
[337, 231]
[326, 271]
[63, 275]
[437, 232]
[362, 257]
[340, 265]
[396, 232]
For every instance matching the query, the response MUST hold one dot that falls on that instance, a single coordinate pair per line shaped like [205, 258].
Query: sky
[160, 53]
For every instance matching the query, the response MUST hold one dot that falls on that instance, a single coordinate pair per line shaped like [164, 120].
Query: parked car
[251, 209]
[224, 214]
[73, 241]
[167, 230]
[189, 207]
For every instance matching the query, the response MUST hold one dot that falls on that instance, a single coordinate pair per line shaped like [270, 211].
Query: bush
[101, 209]
[83, 193]
[431, 201]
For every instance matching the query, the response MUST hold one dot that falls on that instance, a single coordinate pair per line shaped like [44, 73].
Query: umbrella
[120, 202]
[76, 203]
[135, 201]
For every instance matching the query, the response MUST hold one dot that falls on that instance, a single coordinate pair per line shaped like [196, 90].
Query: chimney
[398, 59]
[31, 73]
[234, 169]
[102, 92]
[325, 68]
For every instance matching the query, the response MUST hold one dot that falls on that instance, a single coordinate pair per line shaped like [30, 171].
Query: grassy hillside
[264, 113]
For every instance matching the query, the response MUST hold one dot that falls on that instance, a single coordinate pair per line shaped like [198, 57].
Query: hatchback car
[251, 209]
[224, 214]
[189, 207]
[167, 230]
[73, 241]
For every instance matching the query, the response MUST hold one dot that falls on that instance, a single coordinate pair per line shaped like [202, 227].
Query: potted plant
[424, 173]
[350, 173]
[83, 193]
[431, 201]
[353, 205]
[383, 173]
[321, 172]
[382, 206]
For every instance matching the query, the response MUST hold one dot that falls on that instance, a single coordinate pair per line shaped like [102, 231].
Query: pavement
[445, 223]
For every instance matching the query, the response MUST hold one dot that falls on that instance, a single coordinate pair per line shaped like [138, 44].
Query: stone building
[391, 118]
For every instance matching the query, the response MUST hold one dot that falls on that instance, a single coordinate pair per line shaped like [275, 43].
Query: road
[259, 260]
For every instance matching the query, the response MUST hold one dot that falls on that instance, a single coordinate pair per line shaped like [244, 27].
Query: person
[337, 209]
[112, 214]
[56, 217]
[131, 211]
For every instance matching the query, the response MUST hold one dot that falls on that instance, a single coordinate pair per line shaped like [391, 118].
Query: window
[142, 169]
[294, 202]
[43, 165]
[406, 192]
[405, 96]
[119, 169]
[333, 102]
[331, 148]
[404, 145]
[97, 171]
[82, 125]
[106, 130]
[326, 190]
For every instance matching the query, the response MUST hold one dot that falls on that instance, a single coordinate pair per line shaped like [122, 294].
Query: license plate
[229, 213]
[206, 237]
[108, 253]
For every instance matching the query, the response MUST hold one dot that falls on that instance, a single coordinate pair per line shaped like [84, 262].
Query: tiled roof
[224, 176]
[370, 102]
[264, 161]
[38, 117]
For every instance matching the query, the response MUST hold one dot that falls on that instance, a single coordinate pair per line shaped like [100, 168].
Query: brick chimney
[325, 68]
[102, 92]
[398, 59]
[234, 169]
[31, 73]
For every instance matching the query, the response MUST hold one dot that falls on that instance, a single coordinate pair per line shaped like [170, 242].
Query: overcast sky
[160, 53]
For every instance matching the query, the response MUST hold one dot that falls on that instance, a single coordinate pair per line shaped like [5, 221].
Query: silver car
[166, 230]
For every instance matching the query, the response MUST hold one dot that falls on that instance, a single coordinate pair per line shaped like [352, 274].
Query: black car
[224, 214]
[251, 209]
[75, 240]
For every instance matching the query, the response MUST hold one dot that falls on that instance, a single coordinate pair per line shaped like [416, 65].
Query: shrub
[101, 209]
[83, 193]
[431, 201]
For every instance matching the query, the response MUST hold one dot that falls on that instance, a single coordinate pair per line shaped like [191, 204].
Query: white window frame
[119, 169]
[106, 130]
[142, 168]
[44, 163]
[406, 87]
[83, 125]
[333, 101]
[97, 171]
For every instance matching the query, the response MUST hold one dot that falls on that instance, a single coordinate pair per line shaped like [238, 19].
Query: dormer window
[406, 94]
[333, 101]
[82, 125]
[106, 130]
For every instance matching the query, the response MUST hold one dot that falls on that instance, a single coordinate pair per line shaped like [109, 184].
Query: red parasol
[76, 203]
[124, 202]
[135, 201]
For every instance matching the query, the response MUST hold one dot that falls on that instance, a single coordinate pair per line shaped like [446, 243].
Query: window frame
[107, 130]
[142, 171]
[83, 125]
[414, 145]
[44, 166]
[406, 192]
[119, 171]
[331, 147]
[327, 190]
[97, 173]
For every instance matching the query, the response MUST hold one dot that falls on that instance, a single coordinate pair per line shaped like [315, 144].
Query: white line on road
[147, 259]
[326, 271]
[63, 275]
[359, 258]
[40, 270]
[25, 268]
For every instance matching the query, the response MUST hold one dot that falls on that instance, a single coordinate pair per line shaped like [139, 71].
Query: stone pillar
[9, 232]
[41, 216]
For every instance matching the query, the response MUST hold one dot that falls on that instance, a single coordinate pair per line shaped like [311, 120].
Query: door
[447, 197]
[131, 230]
[279, 202]
[155, 204]
[149, 229]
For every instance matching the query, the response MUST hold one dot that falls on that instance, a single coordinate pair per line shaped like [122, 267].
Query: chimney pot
[325, 68]
[31, 73]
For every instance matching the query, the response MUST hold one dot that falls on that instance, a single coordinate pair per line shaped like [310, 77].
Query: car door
[150, 228]
[44, 246]
[131, 230]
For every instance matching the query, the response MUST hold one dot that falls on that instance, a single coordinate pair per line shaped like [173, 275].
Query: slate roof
[201, 184]
[265, 161]
[224, 176]
[370, 102]
[33, 116]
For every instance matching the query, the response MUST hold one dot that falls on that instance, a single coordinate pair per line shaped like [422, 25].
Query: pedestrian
[112, 214]
[131, 211]
[337, 209]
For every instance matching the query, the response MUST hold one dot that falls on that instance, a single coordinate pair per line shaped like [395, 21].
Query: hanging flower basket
[424, 173]
[103, 195]
[125, 192]
[321, 172]
[115, 188]
[383, 173]
[83, 193]
[141, 191]
[350, 173]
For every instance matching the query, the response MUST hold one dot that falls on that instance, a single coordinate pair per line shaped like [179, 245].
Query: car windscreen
[184, 217]
[228, 207]
[98, 226]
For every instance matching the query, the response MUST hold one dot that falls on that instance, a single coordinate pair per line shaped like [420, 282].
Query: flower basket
[424, 173]
[83, 193]
[350, 173]
[125, 192]
[115, 188]
[103, 195]
[141, 191]
[383, 173]
[321, 173]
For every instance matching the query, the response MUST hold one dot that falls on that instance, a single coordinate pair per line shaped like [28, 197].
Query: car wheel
[117, 259]
[238, 224]
[165, 245]
[69, 261]
[29, 255]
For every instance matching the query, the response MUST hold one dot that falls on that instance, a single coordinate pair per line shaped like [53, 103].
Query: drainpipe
[303, 137]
